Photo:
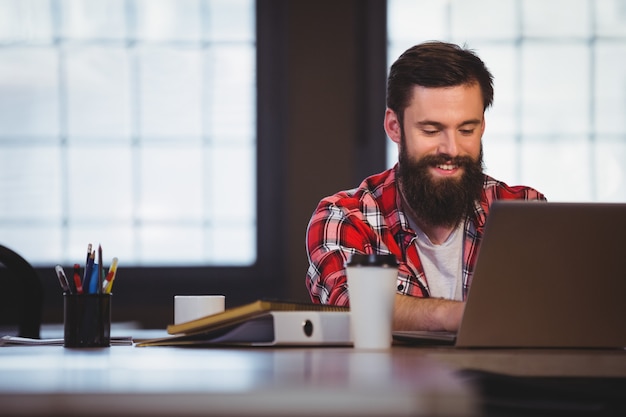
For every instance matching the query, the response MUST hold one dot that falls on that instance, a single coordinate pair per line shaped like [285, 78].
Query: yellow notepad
[244, 312]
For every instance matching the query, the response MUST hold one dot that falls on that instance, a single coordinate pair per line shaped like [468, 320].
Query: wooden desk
[403, 381]
[160, 381]
[544, 363]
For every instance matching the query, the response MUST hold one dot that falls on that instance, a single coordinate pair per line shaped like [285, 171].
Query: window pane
[471, 21]
[25, 20]
[98, 183]
[610, 18]
[131, 124]
[31, 180]
[170, 92]
[98, 83]
[29, 86]
[167, 20]
[503, 60]
[543, 18]
[610, 163]
[554, 98]
[88, 20]
[553, 164]
[610, 88]
[229, 93]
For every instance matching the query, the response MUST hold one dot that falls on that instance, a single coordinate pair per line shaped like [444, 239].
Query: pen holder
[87, 320]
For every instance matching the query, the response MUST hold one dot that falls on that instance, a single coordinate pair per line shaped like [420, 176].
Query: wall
[334, 121]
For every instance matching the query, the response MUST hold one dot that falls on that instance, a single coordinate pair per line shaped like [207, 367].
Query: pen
[62, 279]
[93, 281]
[88, 273]
[77, 281]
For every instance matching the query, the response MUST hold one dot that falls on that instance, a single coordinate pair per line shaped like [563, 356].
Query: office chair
[22, 294]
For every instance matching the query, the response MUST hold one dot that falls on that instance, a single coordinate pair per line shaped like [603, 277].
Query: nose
[448, 144]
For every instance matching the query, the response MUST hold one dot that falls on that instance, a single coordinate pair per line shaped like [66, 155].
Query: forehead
[464, 101]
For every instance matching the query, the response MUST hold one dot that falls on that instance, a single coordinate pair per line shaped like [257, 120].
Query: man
[430, 209]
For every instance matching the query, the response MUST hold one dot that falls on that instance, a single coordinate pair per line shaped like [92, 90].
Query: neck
[436, 234]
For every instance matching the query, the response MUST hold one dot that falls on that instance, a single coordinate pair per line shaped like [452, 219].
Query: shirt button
[400, 287]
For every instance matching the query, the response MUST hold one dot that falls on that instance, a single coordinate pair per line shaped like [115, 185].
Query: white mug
[192, 307]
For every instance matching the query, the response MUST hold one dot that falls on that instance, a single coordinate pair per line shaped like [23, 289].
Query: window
[130, 124]
[557, 123]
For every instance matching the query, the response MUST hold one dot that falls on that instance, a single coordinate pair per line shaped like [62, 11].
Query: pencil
[100, 277]
[111, 276]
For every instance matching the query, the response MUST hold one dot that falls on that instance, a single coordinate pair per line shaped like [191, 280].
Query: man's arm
[414, 313]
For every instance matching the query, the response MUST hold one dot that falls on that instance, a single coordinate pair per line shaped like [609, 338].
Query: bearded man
[430, 209]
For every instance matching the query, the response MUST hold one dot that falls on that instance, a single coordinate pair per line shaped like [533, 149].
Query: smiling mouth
[447, 167]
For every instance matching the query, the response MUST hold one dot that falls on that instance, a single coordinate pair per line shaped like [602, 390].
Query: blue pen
[86, 273]
[89, 272]
[93, 282]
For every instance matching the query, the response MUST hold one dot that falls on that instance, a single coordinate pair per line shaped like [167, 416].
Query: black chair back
[21, 294]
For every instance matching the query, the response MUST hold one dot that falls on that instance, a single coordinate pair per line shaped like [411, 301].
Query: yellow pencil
[108, 282]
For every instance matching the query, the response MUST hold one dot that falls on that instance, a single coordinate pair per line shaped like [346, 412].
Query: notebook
[548, 275]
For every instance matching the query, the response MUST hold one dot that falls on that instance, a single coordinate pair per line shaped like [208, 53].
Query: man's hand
[414, 313]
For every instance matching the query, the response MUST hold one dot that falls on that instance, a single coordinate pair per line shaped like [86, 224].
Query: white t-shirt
[442, 263]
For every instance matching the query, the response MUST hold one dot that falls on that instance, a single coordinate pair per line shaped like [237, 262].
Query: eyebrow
[441, 125]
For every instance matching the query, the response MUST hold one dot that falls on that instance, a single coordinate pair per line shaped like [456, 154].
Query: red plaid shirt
[369, 219]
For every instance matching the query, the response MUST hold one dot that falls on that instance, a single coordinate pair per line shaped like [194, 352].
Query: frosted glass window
[555, 83]
[167, 20]
[557, 18]
[502, 59]
[89, 20]
[97, 80]
[25, 20]
[610, 88]
[29, 96]
[112, 197]
[610, 165]
[493, 18]
[557, 122]
[177, 75]
[130, 124]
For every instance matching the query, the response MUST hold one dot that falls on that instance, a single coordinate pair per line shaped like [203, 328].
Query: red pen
[77, 281]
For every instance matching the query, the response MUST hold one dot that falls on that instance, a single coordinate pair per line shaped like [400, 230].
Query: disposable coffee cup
[87, 320]
[192, 307]
[372, 288]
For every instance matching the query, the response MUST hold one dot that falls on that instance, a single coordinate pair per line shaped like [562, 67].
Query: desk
[328, 381]
[544, 363]
[168, 381]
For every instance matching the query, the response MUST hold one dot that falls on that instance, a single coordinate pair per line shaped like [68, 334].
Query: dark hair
[435, 64]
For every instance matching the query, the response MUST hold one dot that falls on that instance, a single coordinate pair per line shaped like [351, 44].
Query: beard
[440, 201]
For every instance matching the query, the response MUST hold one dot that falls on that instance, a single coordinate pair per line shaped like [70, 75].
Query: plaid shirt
[369, 219]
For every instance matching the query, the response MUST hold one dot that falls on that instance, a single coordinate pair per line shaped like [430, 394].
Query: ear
[392, 126]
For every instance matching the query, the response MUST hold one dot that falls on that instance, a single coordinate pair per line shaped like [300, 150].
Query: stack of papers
[25, 341]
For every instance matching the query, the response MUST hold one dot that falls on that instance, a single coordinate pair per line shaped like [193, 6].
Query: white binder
[291, 328]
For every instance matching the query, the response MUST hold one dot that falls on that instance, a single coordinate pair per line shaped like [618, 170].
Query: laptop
[548, 275]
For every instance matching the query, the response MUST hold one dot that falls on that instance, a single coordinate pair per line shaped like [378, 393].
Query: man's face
[440, 153]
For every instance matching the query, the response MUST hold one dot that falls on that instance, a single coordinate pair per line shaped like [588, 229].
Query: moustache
[434, 160]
